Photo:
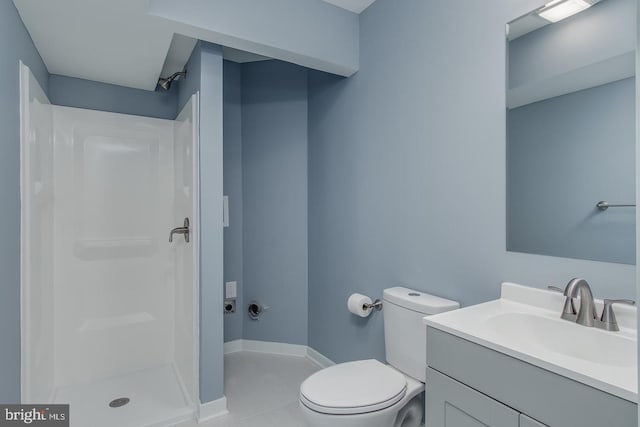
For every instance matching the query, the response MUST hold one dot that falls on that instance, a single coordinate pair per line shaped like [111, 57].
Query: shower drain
[121, 401]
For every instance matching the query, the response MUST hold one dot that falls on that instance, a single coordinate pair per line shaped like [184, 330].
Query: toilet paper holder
[377, 304]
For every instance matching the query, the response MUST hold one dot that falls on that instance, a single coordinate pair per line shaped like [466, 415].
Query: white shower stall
[109, 306]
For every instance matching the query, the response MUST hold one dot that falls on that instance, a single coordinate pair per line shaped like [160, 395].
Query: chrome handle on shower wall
[181, 230]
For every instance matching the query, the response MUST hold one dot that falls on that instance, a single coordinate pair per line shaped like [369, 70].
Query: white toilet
[367, 393]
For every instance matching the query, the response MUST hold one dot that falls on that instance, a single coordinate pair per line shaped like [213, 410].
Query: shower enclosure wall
[109, 306]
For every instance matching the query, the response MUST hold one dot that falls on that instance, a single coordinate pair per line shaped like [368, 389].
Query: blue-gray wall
[233, 189]
[79, 93]
[15, 45]
[564, 155]
[274, 181]
[205, 74]
[407, 179]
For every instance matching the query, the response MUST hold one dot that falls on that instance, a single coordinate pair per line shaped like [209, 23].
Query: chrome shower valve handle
[181, 230]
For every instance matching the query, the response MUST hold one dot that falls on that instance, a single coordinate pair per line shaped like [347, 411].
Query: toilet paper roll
[357, 303]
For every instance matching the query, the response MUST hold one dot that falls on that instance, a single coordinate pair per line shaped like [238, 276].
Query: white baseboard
[278, 348]
[233, 346]
[318, 358]
[267, 347]
[210, 410]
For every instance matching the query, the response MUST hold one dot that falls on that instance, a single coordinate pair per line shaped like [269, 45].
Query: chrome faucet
[587, 312]
[587, 315]
[181, 230]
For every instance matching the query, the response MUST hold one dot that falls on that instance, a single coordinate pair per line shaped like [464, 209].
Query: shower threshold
[155, 398]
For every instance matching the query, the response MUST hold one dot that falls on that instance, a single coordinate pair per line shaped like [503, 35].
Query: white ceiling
[116, 41]
[357, 6]
[113, 41]
[179, 52]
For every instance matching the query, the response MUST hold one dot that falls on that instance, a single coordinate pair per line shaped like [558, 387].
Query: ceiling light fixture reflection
[561, 9]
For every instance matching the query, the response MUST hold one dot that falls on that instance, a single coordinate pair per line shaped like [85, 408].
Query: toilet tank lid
[419, 301]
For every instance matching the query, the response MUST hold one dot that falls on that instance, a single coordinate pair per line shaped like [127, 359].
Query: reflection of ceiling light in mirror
[558, 10]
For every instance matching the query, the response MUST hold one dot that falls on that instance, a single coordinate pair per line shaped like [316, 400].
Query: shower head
[165, 83]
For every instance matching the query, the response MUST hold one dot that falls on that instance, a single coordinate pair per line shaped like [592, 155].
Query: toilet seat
[353, 388]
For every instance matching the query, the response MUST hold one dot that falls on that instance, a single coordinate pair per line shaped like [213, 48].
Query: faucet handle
[619, 301]
[569, 311]
[608, 317]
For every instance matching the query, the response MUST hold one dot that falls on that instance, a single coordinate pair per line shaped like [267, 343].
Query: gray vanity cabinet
[452, 404]
[470, 385]
[528, 422]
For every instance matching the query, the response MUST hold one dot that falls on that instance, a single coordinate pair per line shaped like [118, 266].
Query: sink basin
[525, 324]
[565, 338]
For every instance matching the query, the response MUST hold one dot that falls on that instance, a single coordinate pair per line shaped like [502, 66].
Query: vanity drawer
[545, 396]
[528, 422]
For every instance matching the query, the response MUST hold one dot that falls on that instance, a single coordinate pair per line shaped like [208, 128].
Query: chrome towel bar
[603, 206]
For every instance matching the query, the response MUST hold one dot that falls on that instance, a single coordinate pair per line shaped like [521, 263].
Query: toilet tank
[405, 334]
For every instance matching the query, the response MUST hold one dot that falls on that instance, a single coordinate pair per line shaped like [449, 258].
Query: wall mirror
[571, 130]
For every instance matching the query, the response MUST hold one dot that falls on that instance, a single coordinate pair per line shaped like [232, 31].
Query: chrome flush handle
[181, 230]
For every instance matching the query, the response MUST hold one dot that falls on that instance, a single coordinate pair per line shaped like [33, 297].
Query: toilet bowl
[368, 393]
[388, 398]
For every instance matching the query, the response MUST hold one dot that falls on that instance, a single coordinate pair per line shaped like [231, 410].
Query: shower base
[155, 399]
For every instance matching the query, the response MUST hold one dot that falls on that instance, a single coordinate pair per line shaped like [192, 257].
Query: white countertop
[525, 324]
